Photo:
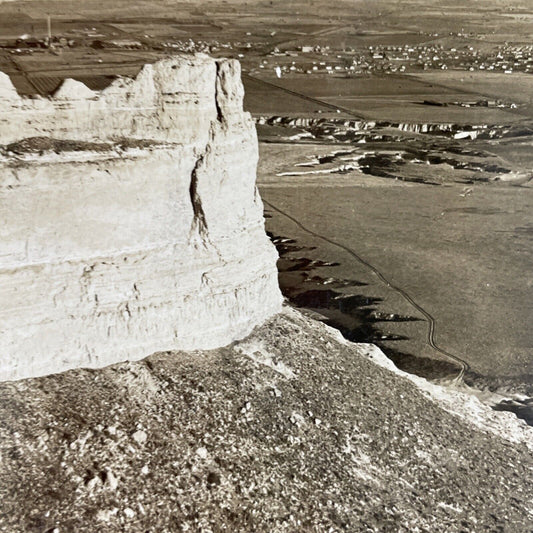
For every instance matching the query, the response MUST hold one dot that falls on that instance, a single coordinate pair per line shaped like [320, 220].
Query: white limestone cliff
[129, 219]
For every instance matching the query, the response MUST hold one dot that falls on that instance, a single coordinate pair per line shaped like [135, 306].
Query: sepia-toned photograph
[266, 266]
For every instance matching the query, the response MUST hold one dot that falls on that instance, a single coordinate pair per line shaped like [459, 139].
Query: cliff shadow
[306, 285]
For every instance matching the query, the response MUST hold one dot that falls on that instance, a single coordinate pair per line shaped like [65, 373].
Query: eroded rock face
[129, 220]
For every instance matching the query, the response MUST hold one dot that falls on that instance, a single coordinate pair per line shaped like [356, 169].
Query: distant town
[402, 58]
[418, 68]
[304, 59]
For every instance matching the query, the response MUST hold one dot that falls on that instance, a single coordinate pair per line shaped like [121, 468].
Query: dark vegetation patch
[421, 366]
[46, 144]
[523, 409]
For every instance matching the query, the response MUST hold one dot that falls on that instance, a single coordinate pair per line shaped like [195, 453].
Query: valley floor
[461, 252]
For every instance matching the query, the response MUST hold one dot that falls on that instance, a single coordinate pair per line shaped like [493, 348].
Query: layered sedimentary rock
[129, 219]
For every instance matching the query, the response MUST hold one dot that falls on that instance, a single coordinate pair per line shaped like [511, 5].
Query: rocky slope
[292, 429]
[130, 222]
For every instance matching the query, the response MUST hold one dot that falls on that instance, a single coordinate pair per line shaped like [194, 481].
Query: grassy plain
[517, 86]
[466, 258]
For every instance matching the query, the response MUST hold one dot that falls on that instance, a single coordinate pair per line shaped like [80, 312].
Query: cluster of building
[399, 58]
[29, 43]
[507, 58]
[192, 46]
[311, 59]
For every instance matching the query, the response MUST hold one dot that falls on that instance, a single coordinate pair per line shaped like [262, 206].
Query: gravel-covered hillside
[292, 429]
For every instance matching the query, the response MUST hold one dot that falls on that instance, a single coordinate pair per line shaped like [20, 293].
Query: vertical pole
[49, 23]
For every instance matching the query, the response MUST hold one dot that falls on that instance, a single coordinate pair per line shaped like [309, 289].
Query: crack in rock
[199, 223]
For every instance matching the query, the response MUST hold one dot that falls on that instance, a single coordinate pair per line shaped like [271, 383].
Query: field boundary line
[305, 97]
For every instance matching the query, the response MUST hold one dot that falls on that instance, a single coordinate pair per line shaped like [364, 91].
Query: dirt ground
[289, 430]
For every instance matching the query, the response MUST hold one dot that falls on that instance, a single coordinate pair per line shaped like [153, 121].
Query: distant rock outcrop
[73, 90]
[129, 219]
[8, 93]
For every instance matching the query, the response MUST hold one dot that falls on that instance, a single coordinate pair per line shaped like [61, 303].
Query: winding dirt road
[432, 324]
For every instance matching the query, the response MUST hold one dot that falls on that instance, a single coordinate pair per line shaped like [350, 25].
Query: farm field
[400, 109]
[517, 86]
[401, 98]
[361, 86]
[262, 99]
